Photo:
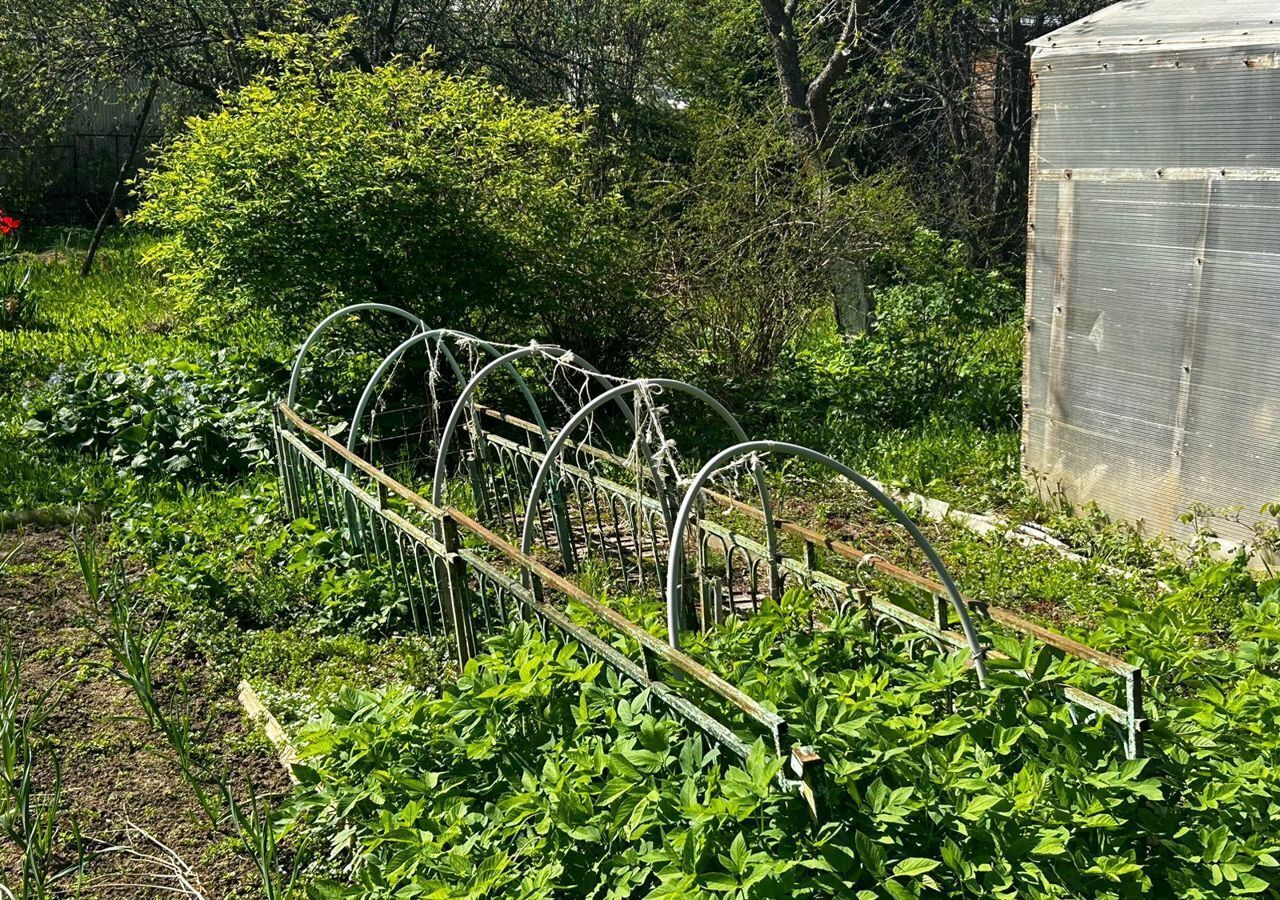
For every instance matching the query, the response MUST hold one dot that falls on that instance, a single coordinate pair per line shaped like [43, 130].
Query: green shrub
[930, 397]
[988, 377]
[928, 284]
[752, 239]
[899, 377]
[317, 187]
[184, 418]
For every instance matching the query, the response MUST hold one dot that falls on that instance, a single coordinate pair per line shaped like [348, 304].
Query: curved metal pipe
[553, 452]
[675, 560]
[366, 396]
[506, 360]
[436, 334]
[296, 375]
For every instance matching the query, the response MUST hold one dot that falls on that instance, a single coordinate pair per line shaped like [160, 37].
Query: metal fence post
[282, 466]
[477, 486]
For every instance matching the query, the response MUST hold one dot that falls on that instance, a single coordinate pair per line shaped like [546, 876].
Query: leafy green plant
[540, 772]
[223, 564]
[183, 418]
[443, 194]
[952, 354]
[349, 595]
[17, 305]
[537, 774]
[32, 816]
[256, 826]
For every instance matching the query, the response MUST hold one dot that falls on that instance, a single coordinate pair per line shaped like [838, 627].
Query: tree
[33, 112]
[938, 89]
[748, 237]
[808, 99]
[591, 54]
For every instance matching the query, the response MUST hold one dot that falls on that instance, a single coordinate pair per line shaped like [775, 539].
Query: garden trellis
[593, 487]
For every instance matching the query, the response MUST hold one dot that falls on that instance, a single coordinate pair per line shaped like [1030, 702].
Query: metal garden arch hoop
[507, 360]
[353, 437]
[296, 375]
[675, 560]
[557, 446]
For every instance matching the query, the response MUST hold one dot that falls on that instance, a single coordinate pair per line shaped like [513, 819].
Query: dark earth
[139, 821]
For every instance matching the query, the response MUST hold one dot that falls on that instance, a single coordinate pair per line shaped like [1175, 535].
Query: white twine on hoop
[650, 438]
[728, 476]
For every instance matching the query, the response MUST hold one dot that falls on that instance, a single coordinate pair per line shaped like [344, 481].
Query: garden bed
[120, 784]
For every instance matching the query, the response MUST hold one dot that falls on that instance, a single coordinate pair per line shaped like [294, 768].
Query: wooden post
[810, 556]
[941, 611]
[809, 769]
[456, 606]
[125, 166]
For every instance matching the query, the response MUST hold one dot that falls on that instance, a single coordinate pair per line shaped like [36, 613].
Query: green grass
[40, 481]
[114, 314]
[1067, 594]
[975, 468]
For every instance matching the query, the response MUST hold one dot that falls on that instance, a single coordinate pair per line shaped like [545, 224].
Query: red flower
[8, 224]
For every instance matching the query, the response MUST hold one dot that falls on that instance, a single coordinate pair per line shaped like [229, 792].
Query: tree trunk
[780, 22]
[125, 168]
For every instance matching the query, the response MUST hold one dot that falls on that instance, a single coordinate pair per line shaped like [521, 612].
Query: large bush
[317, 187]
[753, 239]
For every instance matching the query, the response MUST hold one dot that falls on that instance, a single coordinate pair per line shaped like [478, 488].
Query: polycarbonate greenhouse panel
[1152, 376]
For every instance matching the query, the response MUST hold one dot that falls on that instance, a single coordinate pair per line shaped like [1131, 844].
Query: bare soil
[122, 787]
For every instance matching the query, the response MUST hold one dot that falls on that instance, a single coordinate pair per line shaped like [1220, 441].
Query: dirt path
[118, 773]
